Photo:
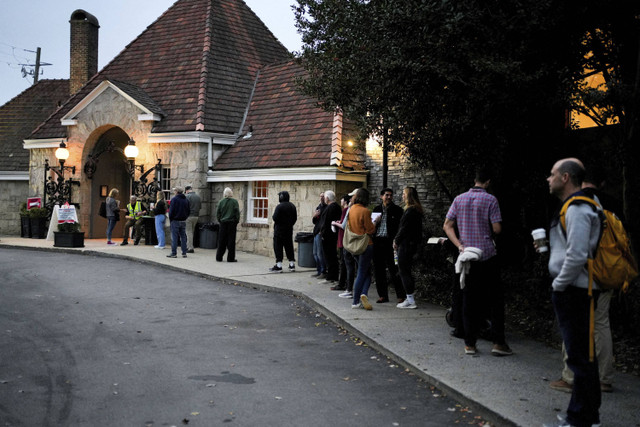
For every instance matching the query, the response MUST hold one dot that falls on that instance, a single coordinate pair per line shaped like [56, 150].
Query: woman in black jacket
[407, 242]
[160, 212]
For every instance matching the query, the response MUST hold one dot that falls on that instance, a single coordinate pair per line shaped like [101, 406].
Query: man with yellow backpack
[571, 248]
[593, 182]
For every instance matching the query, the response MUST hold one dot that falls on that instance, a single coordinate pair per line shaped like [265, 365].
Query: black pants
[347, 269]
[572, 310]
[383, 260]
[483, 293]
[405, 263]
[227, 241]
[330, 250]
[285, 242]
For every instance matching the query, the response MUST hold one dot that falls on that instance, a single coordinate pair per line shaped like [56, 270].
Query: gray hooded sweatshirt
[569, 253]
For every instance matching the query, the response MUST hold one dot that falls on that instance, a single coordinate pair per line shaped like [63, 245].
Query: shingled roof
[197, 62]
[22, 114]
[287, 128]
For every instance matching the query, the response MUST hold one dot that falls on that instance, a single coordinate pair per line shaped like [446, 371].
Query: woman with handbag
[357, 240]
[160, 212]
[407, 242]
[113, 213]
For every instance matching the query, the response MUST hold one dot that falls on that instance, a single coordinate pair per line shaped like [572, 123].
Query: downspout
[210, 157]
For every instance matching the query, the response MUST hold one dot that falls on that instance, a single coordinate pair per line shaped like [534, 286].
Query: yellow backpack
[613, 265]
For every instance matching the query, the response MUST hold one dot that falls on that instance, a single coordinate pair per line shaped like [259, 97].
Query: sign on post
[67, 213]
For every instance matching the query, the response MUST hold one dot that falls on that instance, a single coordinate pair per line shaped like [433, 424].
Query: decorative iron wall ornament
[57, 191]
[91, 165]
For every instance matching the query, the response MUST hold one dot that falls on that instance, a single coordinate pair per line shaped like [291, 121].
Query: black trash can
[208, 236]
[305, 250]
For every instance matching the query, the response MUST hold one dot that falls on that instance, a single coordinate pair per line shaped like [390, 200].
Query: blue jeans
[363, 276]
[160, 229]
[178, 232]
[110, 226]
[572, 310]
[318, 253]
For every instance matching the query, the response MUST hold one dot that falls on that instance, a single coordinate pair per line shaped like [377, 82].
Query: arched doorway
[106, 168]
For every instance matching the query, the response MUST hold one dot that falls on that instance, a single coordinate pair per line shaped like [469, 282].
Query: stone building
[211, 104]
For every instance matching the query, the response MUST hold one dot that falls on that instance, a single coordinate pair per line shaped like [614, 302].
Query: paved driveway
[92, 341]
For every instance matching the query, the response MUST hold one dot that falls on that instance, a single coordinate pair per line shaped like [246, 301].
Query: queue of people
[348, 238]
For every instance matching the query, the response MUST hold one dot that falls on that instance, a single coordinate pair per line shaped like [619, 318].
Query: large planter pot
[63, 239]
[38, 228]
[25, 226]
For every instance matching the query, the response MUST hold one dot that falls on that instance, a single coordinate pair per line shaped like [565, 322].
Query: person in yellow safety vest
[134, 212]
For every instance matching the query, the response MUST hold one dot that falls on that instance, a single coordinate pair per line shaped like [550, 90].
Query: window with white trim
[165, 181]
[258, 202]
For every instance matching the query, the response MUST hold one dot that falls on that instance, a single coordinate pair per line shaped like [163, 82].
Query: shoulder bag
[356, 244]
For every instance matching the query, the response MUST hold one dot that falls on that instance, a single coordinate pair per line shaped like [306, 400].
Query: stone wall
[401, 173]
[258, 238]
[12, 195]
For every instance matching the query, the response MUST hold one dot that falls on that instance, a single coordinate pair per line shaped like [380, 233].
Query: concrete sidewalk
[505, 390]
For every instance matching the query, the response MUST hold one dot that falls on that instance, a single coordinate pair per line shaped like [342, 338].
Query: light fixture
[62, 154]
[131, 151]
[59, 190]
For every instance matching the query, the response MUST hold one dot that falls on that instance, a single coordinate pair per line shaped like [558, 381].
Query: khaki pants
[604, 343]
[191, 225]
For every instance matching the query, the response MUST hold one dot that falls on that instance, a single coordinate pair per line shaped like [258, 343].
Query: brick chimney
[84, 48]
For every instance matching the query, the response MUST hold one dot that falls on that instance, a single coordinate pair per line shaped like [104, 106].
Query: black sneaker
[275, 269]
[292, 267]
[172, 256]
[125, 243]
[136, 242]
[190, 251]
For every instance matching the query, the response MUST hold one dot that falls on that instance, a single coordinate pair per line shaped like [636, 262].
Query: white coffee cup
[540, 239]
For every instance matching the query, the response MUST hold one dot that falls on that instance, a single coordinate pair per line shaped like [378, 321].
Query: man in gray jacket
[194, 212]
[570, 249]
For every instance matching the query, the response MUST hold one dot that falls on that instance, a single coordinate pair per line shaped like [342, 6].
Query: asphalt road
[93, 341]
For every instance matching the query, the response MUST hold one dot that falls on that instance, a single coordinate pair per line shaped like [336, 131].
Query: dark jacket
[394, 214]
[316, 220]
[331, 213]
[161, 208]
[179, 208]
[410, 230]
[284, 216]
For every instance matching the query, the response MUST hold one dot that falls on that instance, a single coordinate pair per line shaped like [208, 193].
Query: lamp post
[58, 190]
[140, 188]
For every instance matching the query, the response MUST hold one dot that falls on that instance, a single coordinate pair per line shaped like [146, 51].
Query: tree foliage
[449, 81]
[457, 84]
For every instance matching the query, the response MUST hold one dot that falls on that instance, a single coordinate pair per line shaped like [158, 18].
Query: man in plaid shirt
[476, 214]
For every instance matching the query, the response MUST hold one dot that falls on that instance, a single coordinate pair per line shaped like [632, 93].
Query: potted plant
[68, 236]
[38, 222]
[25, 224]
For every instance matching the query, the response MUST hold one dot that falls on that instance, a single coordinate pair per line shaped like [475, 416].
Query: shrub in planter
[68, 236]
[25, 223]
[69, 227]
[38, 222]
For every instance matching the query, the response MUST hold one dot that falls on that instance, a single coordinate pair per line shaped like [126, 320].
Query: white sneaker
[407, 304]
[159, 247]
[356, 305]
[346, 295]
